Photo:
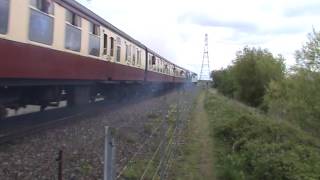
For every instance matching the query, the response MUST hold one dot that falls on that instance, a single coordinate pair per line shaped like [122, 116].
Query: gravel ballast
[34, 157]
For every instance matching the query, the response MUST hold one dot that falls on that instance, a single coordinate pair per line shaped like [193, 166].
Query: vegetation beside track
[249, 145]
[196, 152]
[259, 79]
[284, 141]
[154, 156]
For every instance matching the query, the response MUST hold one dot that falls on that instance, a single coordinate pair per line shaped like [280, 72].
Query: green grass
[249, 145]
[195, 157]
[136, 168]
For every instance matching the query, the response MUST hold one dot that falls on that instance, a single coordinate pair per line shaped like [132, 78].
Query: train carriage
[58, 49]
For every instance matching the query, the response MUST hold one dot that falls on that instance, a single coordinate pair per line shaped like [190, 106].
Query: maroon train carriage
[63, 51]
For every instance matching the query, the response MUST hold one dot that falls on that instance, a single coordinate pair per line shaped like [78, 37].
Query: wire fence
[169, 133]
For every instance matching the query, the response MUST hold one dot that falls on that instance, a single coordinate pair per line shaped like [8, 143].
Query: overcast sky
[176, 28]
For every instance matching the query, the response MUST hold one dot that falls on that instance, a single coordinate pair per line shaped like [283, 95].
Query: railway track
[17, 127]
[9, 136]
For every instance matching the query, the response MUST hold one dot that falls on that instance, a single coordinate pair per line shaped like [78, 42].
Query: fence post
[164, 129]
[60, 164]
[113, 170]
[109, 155]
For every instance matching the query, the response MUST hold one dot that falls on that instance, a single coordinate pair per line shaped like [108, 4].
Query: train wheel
[43, 108]
[78, 96]
[3, 112]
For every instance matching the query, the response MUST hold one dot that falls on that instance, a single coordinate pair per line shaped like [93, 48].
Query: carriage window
[157, 64]
[45, 6]
[111, 46]
[94, 45]
[72, 33]
[118, 53]
[134, 58]
[73, 38]
[4, 16]
[94, 40]
[153, 60]
[73, 19]
[94, 29]
[166, 69]
[105, 44]
[40, 27]
[119, 41]
[150, 62]
[181, 73]
[127, 52]
[138, 57]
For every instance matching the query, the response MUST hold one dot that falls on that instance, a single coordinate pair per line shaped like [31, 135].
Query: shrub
[249, 75]
[253, 146]
[296, 99]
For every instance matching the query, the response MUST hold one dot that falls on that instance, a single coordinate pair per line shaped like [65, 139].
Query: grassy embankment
[228, 140]
[196, 156]
[233, 141]
[249, 145]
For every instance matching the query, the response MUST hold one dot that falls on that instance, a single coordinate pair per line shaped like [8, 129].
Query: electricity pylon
[205, 67]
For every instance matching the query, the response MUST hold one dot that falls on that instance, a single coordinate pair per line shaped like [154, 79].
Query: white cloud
[175, 29]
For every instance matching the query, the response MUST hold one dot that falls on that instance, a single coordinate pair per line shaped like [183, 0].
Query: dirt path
[198, 159]
[195, 160]
[201, 129]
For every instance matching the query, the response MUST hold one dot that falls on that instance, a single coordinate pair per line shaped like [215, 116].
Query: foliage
[86, 168]
[250, 74]
[136, 169]
[297, 98]
[253, 70]
[224, 81]
[252, 146]
[309, 56]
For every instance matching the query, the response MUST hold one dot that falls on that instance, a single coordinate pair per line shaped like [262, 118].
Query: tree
[253, 70]
[223, 81]
[309, 56]
[297, 97]
[249, 76]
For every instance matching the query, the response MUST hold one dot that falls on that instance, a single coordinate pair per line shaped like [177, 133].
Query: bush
[253, 146]
[249, 76]
[296, 99]
[224, 81]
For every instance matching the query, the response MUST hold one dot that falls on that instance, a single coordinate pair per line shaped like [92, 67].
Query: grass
[196, 155]
[250, 145]
[85, 168]
[137, 167]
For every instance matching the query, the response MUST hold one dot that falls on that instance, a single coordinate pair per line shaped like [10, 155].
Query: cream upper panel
[106, 56]
[59, 27]
[18, 21]
[143, 58]
[109, 56]
[85, 38]
[18, 30]
[159, 65]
